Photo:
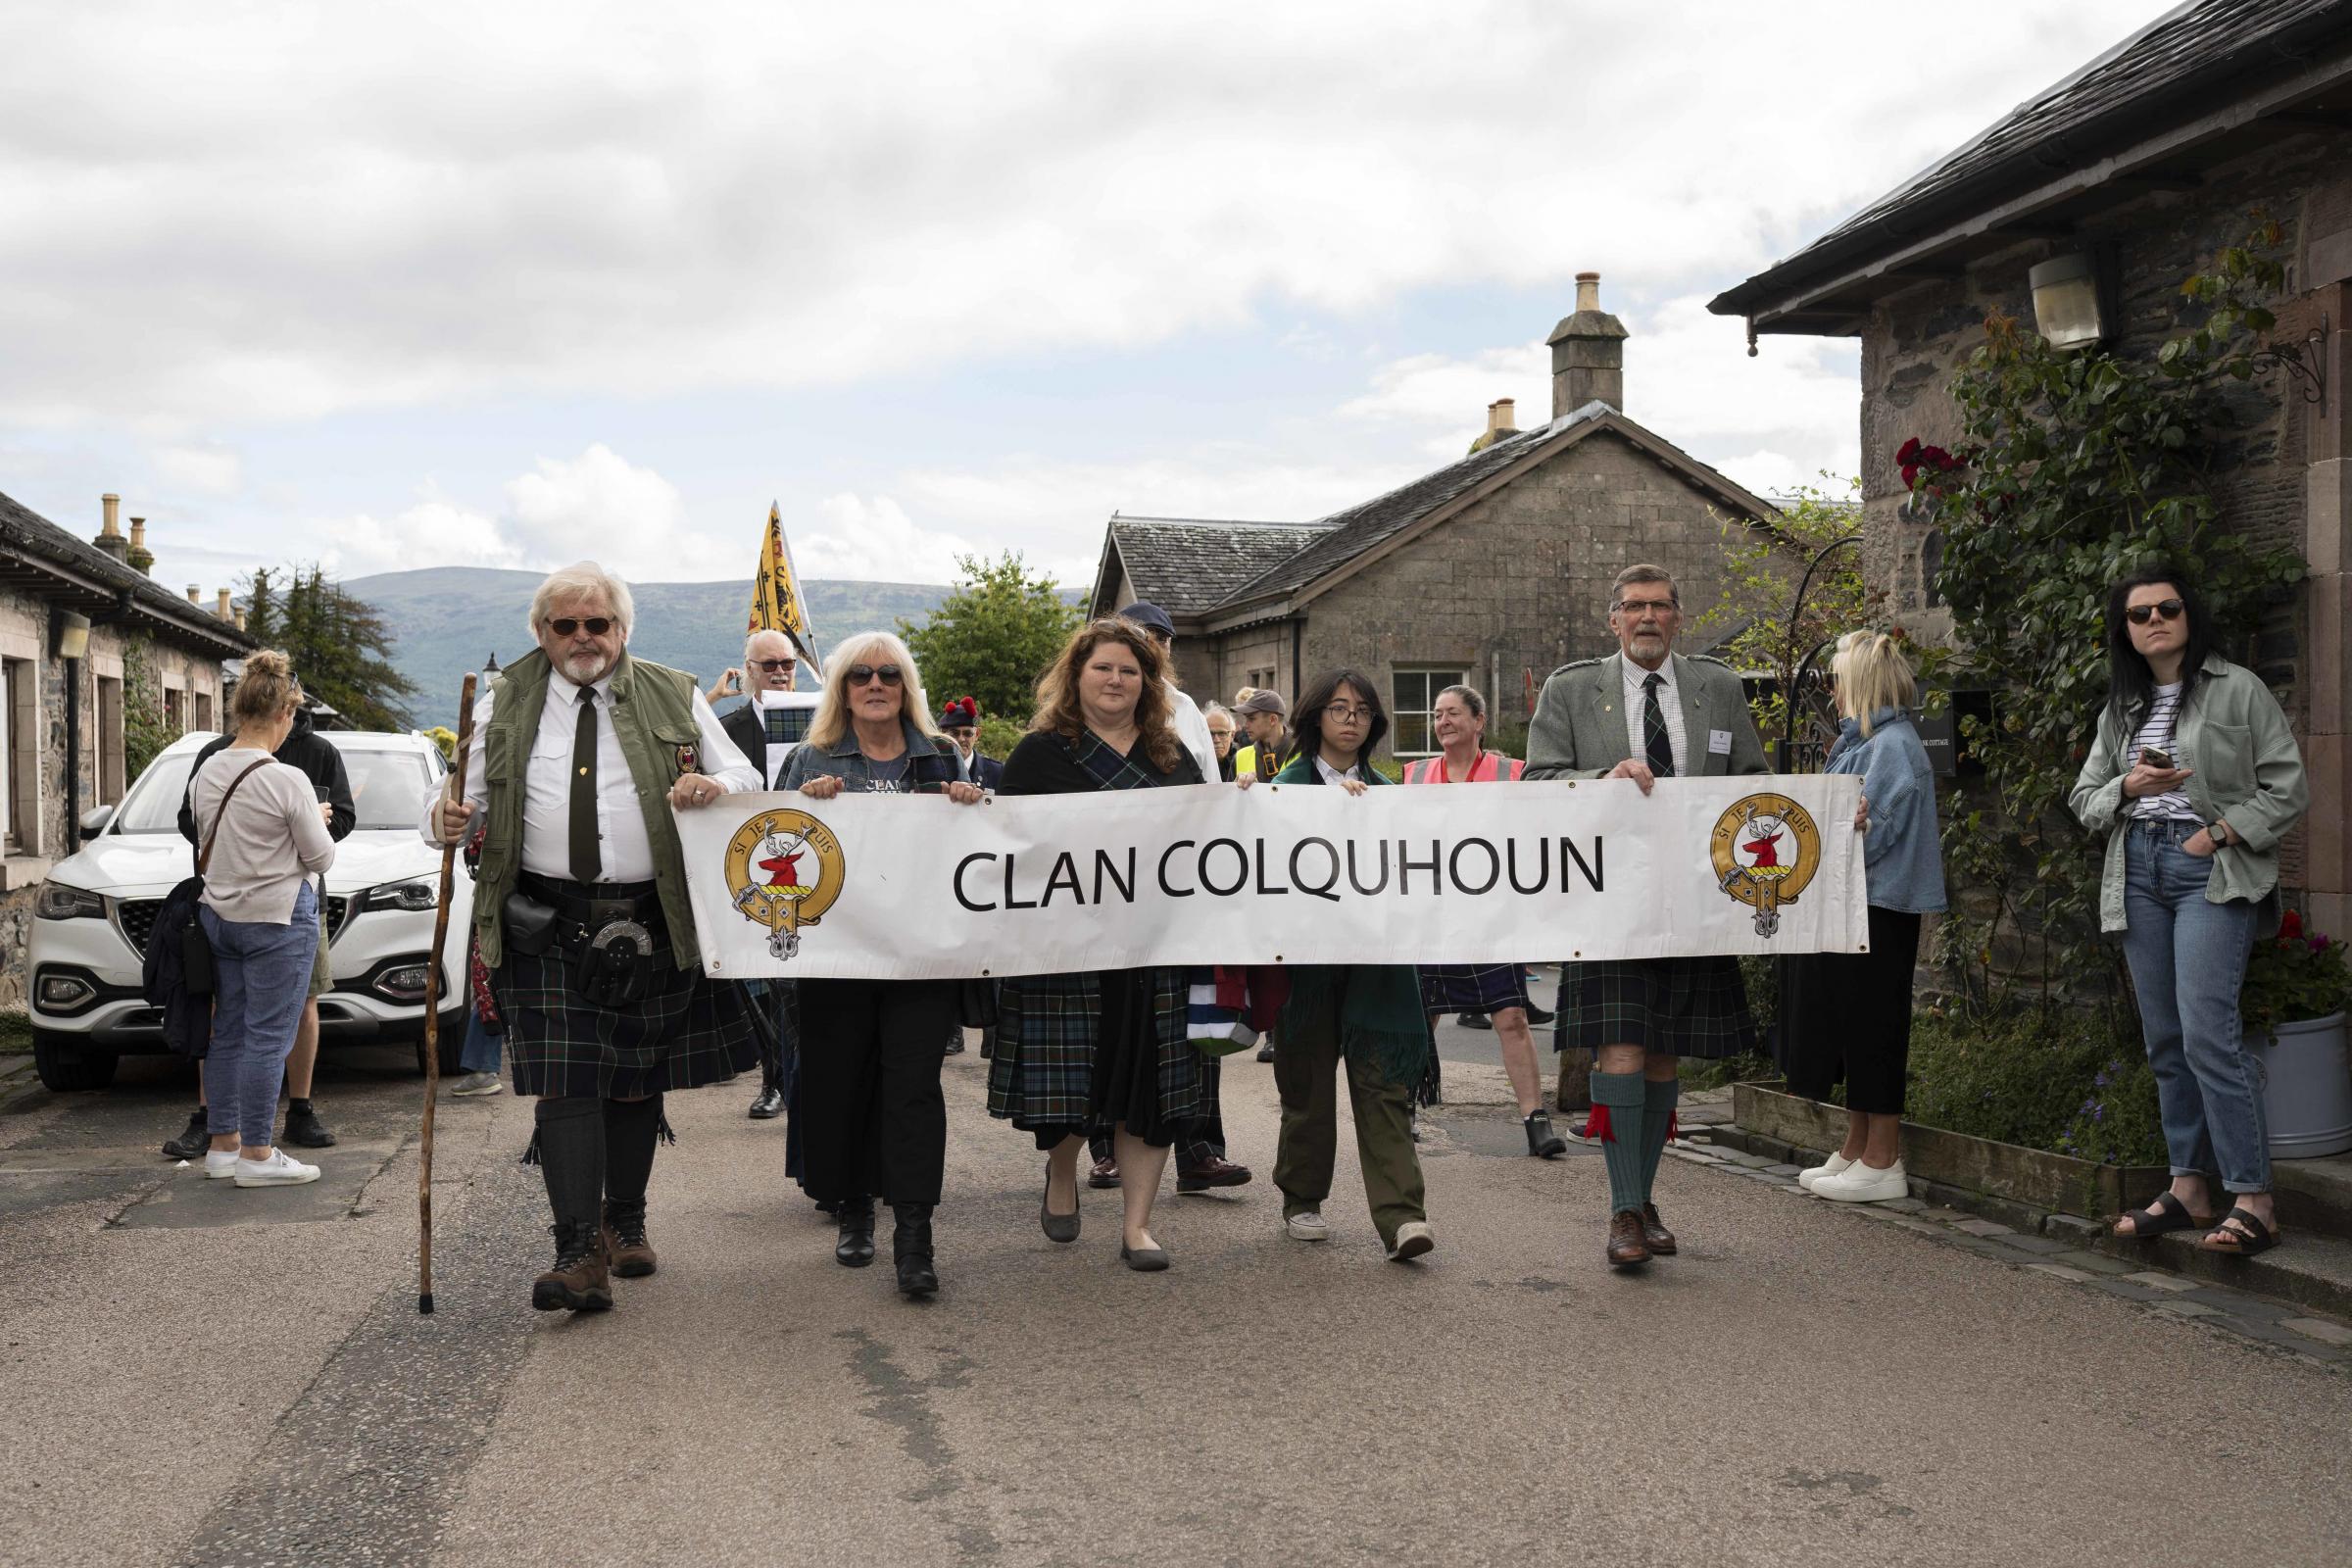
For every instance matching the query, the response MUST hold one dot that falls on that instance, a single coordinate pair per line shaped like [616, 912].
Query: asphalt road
[199, 1375]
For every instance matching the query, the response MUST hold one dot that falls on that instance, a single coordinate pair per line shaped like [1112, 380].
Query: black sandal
[2171, 1215]
[2255, 1237]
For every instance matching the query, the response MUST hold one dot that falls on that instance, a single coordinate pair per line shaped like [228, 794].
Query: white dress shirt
[1192, 730]
[1670, 705]
[1332, 776]
[627, 852]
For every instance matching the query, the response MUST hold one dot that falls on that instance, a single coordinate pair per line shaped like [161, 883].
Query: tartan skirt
[1054, 1064]
[1472, 988]
[688, 1030]
[1674, 1006]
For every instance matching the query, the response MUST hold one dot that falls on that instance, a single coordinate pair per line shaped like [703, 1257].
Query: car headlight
[413, 895]
[58, 901]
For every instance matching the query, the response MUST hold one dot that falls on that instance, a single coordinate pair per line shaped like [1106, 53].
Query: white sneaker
[1309, 1227]
[1413, 1238]
[279, 1171]
[220, 1164]
[477, 1083]
[1829, 1167]
[1859, 1183]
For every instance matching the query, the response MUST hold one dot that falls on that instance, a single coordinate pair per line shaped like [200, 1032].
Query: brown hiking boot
[578, 1283]
[1628, 1248]
[631, 1255]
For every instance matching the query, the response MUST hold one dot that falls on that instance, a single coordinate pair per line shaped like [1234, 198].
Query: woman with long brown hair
[1109, 1046]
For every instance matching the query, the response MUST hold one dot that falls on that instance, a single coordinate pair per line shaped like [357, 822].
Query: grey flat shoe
[1058, 1227]
[1144, 1259]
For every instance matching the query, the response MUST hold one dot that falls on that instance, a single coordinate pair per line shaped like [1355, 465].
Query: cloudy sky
[510, 285]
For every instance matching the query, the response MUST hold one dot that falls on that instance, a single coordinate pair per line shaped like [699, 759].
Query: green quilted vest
[653, 714]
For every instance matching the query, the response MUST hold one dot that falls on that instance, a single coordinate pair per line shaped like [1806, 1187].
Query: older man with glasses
[1645, 714]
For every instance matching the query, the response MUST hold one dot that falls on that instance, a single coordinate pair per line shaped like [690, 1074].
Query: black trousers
[872, 1119]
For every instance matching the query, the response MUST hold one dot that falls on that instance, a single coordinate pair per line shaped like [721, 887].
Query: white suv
[95, 911]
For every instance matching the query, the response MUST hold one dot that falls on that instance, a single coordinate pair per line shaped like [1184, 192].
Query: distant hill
[448, 619]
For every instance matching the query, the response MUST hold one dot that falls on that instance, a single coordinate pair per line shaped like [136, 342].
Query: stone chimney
[1501, 418]
[240, 620]
[110, 535]
[1587, 353]
[227, 612]
[195, 595]
[140, 556]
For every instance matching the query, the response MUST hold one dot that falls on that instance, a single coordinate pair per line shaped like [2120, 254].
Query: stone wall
[2281, 475]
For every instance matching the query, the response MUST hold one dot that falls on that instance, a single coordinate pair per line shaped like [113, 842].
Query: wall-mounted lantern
[71, 633]
[2069, 302]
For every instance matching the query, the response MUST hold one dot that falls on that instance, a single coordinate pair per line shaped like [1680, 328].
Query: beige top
[274, 836]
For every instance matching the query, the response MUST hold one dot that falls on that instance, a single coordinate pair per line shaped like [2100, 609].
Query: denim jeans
[2188, 963]
[481, 1050]
[261, 979]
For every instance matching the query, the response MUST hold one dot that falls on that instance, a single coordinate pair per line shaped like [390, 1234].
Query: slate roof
[1187, 565]
[2164, 74]
[26, 533]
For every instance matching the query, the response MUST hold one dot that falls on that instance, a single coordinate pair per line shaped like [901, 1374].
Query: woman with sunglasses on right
[2194, 779]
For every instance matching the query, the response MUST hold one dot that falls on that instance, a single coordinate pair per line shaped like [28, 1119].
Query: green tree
[1758, 623]
[340, 647]
[992, 636]
[2080, 467]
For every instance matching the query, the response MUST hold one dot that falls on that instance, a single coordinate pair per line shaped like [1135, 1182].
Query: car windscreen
[153, 805]
[387, 787]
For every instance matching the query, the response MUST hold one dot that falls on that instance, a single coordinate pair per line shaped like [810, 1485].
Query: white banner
[914, 886]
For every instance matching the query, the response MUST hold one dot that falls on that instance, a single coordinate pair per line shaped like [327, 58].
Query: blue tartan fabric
[688, 1031]
[787, 726]
[1044, 1071]
[1472, 988]
[1676, 1007]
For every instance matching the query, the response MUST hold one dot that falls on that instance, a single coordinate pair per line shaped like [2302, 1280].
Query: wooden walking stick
[433, 1011]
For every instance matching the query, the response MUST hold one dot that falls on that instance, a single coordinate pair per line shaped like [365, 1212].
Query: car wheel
[68, 1067]
[453, 1045]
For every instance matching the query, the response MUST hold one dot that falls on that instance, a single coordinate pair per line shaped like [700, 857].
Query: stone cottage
[2125, 177]
[73, 615]
[1495, 569]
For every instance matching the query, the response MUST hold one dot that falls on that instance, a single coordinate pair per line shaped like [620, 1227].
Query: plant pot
[2307, 1088]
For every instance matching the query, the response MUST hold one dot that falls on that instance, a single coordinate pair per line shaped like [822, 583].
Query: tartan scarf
[1107, 767]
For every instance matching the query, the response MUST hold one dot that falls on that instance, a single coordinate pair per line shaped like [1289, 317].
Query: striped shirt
[2156, 733]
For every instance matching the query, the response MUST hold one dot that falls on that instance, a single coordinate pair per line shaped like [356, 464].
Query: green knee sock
[1661, 1096]
[1619, 1096]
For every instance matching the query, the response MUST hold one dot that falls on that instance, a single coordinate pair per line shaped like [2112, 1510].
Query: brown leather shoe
[579, 1281]
[1212, 1173]
[1653, 1232]
[1627, 1247]
[631, 1255]
[1105, 1174]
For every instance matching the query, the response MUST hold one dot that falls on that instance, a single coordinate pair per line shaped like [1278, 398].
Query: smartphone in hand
[2152, 758]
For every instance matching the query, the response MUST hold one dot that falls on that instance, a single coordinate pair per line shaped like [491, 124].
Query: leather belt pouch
[532, 928]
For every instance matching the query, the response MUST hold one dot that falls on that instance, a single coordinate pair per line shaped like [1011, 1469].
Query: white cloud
[204, 470]
[876, 541]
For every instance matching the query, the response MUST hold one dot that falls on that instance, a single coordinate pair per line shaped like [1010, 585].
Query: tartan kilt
[1677, 1007]
[688, 1031]
[1043, 1072]
[1472, 988]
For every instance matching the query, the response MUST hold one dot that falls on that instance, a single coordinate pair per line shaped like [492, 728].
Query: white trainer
[1829, 1167]
[1309, 1227]
[280, 1169]
[1859, 1183]
[477, 1083]
[220, 1164]
[1413, 1238]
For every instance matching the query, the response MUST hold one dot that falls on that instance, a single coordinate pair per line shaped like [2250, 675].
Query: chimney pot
[240, 620]
[110, 505]
[1588, 291]
[226, 611]
[195, 594]
[1500, 417]
[1587, 353]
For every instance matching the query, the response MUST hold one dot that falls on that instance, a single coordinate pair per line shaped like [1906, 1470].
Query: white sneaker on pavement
[280, 1169]
[1309, 1227]
[1413, 1238]
[1859, 1183]
[477, 1083]
[220, 1164]
[1829, 1167]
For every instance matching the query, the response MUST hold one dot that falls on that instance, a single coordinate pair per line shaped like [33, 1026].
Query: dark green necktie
[587, 858]
[1653, 728]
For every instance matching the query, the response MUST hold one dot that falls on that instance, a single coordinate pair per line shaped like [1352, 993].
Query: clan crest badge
[784, 870]
[1766, 850]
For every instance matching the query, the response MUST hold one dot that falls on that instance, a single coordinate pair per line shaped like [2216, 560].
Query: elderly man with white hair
[578, 754]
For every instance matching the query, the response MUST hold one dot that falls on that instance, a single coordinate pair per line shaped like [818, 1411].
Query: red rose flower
[1908, 452]
[2291, 925]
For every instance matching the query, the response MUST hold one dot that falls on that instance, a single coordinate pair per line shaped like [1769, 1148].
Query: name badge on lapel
[1719, 743]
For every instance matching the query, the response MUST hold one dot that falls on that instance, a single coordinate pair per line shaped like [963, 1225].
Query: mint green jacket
[2243, 768]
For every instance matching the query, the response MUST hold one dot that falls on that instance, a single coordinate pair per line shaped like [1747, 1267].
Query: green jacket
[2243, 768]
[1578, 729]
[653, 714]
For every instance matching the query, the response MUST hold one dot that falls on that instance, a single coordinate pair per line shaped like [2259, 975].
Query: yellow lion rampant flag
[776, 603]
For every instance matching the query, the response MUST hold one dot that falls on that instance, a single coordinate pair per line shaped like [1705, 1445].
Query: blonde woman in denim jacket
[2194, 777]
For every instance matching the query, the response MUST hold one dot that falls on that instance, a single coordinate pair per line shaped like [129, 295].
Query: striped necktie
[1659, 750]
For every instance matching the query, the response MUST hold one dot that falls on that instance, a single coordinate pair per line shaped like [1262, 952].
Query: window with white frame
[1412, 693]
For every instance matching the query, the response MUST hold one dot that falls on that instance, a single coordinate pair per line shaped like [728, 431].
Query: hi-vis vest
[653, 715]
[1491, 767]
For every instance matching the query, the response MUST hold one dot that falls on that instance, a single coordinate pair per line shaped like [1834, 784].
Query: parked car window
[153, 805]
[386, 787]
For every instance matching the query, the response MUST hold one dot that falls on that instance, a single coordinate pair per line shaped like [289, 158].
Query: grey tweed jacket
[1578, 729]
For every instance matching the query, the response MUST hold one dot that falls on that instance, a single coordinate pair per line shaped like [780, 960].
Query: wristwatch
[2218, 830]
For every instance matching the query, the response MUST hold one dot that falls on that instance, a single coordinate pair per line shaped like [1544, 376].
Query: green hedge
[2066, 1081]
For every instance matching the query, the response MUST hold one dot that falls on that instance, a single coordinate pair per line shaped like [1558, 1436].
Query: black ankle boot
[1542, 1141]
[910, 1249]
[855, 1248]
